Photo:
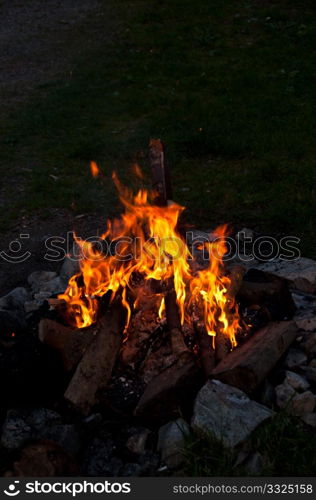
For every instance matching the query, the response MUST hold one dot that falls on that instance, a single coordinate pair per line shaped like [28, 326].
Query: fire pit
[152, 311]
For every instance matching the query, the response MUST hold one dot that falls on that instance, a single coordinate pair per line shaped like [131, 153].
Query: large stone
[284, 394]
[38, 280]
[300, 273]
[309, 419]
[20, 426]
[136, 443]
[171, 441]
[227, 413]
[309, 344]
[303, 403]
[298, 382]
[15, 299]
[305, 316]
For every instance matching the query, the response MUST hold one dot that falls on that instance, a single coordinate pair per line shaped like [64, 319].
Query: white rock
[38, 279]
[284, 394]
[227, 413]
[300, 273]
[307, 323]
[298, 382]
[137, 442]
[309, 344]
[303, 403]
[309, 419]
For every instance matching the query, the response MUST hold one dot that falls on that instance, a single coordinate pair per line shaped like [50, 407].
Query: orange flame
[94, 169]
[145, 242]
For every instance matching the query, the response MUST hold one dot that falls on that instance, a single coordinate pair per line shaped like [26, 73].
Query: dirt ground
[39, 43]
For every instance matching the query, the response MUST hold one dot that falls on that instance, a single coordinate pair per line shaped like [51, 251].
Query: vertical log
[95, 368]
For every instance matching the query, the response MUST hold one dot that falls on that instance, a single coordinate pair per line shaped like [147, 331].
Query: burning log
[170, 391]
[236, 274]
[95, 368]
[173, 323]
[207, 351]
[222, 346]
[71, 344]
[247, 366]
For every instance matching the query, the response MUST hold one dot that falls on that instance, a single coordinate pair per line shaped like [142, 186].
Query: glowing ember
[94, 169]
[145, 243]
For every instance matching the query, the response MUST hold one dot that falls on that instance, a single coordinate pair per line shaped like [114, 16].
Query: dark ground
[230, 88]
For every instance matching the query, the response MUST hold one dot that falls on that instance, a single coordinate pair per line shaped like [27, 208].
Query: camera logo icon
[12, 490]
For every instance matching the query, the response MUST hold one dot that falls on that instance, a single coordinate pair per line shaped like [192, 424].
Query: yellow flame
[147, 242]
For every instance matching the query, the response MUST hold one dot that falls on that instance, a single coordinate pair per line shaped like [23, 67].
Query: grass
[286, 445]
[228, 86]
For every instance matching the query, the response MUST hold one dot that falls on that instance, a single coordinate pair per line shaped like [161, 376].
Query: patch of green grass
[287, 447]
[227, 86]
[207, 456]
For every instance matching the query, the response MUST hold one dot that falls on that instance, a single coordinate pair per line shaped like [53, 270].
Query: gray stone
[284, 394]
[171, 441]
[69, 267]
[295, 358]
[38, 279]
[309, 419]
[300, 273]
[307, 323]
[305, 316]
[303, 403]
[309, 344]
[20, 426]
[56, 285]
[136, 443]
[227, 413]
[15, 299]
[99, 460]
[298, 382]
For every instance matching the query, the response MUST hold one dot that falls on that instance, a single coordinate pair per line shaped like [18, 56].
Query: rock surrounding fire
[147, 247]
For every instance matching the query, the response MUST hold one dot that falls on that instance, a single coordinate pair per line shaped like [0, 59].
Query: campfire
[146, 251]
[150, 311]
[142, 274]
